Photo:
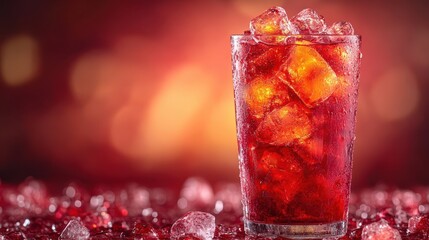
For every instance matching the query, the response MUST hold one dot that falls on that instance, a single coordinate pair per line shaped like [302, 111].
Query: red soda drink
[295, 99]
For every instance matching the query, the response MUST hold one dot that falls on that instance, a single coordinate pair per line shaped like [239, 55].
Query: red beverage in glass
[295, 98]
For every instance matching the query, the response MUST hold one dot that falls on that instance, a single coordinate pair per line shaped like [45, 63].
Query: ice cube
[309, 75]
[380, 231]
[194, 224]
[196, 193]
[341, 28]
[419, 224]
[273, 21]
[286, 161]
[311, 150]
[309, 21]
[264, 94]
[268, 60]
[343, 57]
[75, 230]
[285, 172]
[284, 126]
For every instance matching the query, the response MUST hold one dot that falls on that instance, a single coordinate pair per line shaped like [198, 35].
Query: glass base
[336, 229]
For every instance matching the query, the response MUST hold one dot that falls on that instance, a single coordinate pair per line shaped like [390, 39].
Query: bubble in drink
[265, 93]
[284, 126]
[309, 75]
[309, 21]
[341, 28]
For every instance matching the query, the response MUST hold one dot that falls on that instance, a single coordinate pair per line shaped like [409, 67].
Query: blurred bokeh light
[142, 90]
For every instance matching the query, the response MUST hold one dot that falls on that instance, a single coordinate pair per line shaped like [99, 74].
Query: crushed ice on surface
[380, 231]
[75, 230]
[419, 224]
[194, 224]
[366, 207]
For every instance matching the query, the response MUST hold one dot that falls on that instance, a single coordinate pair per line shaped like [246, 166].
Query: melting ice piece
[195, 224]
[263, 94]
[309, 21]
[341, 28]
[75, 230]
[418, 224]
[273, 21]
[380, 231]
[284, 125]
[309, 75]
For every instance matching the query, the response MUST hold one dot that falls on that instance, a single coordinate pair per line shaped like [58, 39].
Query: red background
[142, 90]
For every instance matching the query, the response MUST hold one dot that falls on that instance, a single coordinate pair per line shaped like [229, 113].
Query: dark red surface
[32, 210]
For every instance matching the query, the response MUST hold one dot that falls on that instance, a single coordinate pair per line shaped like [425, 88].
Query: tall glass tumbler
[295, 101]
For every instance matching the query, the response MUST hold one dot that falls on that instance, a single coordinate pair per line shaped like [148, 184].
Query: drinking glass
[295, 102]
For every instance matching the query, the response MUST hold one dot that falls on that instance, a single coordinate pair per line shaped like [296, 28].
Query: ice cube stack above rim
[275, 21]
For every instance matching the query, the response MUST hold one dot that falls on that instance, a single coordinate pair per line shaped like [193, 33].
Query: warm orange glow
[395, 95]
[184, 94]
[123, 131]
[19, 60]
[308, 74]
[121, 90]
[220, 134]
[86, 74]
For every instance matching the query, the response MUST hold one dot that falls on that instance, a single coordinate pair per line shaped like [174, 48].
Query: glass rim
[297, 35]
